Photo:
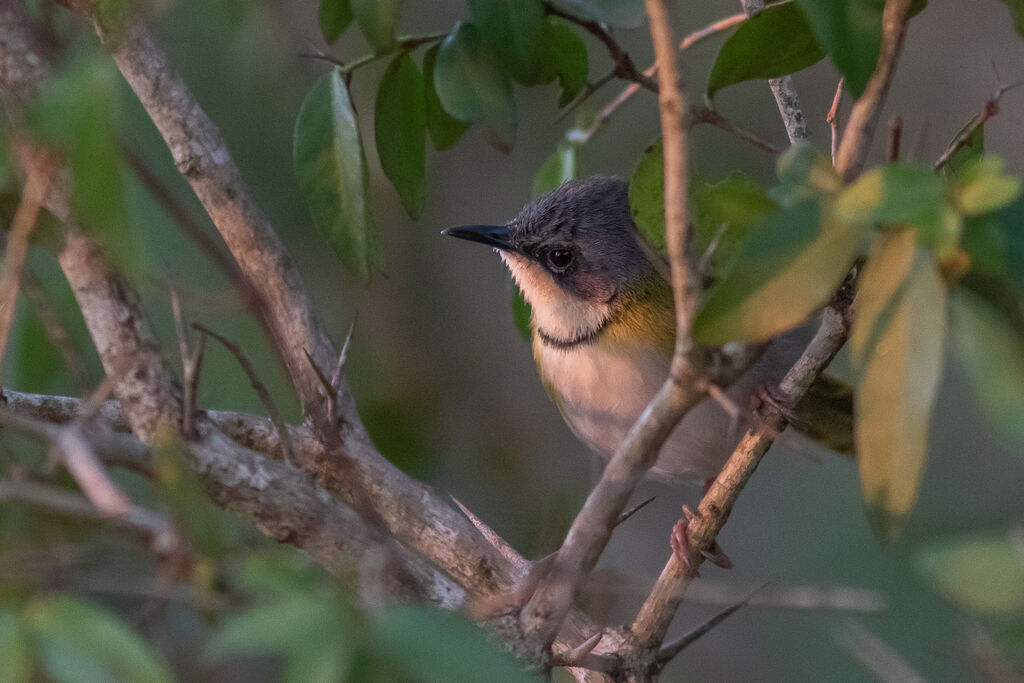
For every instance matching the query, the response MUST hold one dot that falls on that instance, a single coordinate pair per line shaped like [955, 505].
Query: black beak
[491, 235]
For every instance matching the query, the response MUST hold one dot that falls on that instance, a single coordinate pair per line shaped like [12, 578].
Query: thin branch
[895, 135]
[689, 41]
[699, 115]
[832, 118]
[542, 617]
[624, 67]
[402, 44]
[37, 184]
[990, 109]
[633, 510]
[853, 150]
[261, 390]
[155, 529]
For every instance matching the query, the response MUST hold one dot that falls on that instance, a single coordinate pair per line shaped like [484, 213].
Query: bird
[603, 326]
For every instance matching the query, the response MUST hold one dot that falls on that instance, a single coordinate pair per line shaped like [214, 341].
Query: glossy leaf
[456, 650]
[15, 656]
[445, 130]
[563, 56]
[982, 187]
[472, 86]
[400, 128]
[888, 265]
[789, 265]
[331, 171]
[1016, 8]
[851, 33]
[898, 380]
[513, 29]
[334, 17]
[614, 13]
[982, 573]
[377, 20]
[647, 195]
[992, 354]
[556, 169]
[79, 640]
[774, 42]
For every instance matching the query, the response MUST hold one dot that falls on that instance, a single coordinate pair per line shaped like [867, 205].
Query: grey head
[581, 233]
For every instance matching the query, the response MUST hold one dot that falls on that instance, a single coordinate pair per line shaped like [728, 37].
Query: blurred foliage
[76, 603]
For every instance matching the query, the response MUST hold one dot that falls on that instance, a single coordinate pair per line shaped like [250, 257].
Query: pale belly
[602, 394]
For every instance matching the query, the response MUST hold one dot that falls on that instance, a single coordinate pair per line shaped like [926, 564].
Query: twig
[698, 115]
[832, 119]
[36, 184]
[668, 651]
[990, 109]
[191, 364]
[784, 91]
[402, 44]
[261, 390]
[895, 133]
[543, 615]
[624, 67]
[161, 534]
[853, 149]
[875, 654]
[689, 41]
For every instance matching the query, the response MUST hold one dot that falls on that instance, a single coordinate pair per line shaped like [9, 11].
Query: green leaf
[563, 55]
[80, 641]
[851, 33]
[445, 130]
[726, 211]
[280, 626]
[898, 380]
[804, 172]
[455, 650]
[335, 16]
[556, 169]
[331, 171]
[983, 573]
[377, 20]
[76, 111]
[982, 187]
[888, 265]
[614, 13]
[992, 353]
[897, 193]
[513, 29]
[472, 86]
[15, 658]
[1016, 8]
[400, 127]
[774, 42]
[789, 265]
[972, 147]
[647, 195]
[38, 364]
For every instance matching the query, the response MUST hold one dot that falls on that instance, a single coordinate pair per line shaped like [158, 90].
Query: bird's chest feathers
[603, 378]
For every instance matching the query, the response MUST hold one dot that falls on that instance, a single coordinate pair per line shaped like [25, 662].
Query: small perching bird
[603, 325]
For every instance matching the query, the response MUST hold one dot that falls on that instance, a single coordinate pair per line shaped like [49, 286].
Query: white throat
[557, 313]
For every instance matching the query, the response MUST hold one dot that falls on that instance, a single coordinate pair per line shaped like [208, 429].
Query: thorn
[499, 543]
[343, 356]
[319, 373]
[583, 656]
[670, 650]
[633, 510]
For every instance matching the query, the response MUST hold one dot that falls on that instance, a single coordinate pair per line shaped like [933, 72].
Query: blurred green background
[447, 386]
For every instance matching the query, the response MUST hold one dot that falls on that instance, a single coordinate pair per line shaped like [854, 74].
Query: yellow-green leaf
[896, 391]
[788, 266]
[887, 267]
[981, 573]
[982, 187]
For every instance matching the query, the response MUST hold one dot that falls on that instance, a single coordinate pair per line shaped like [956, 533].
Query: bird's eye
[559, 259]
